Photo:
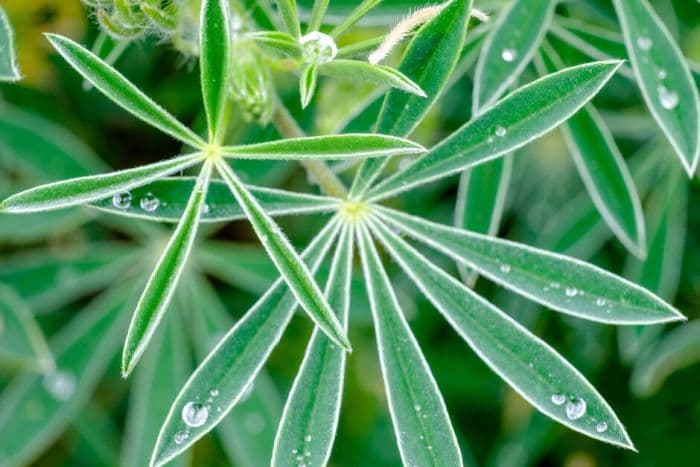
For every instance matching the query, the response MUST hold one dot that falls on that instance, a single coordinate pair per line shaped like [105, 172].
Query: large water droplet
[195, 414]
[571, 291]
[181, 437]
[669, 99]
[508, 55]
[558, 399]
[500, 131]
[318, 47]
[601, 427]
[644, 43]
[149, 203]
[122, 200]
[60, 384]
[575, 409]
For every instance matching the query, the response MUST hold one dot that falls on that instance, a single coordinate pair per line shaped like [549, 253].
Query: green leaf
[336, 147]
[276, 41]
[421, 424]
[521, 117]
[430, 59]
[245, 266]
[39, 226]
[603, 170]
[235, 361]
[9, 70]
[290, 266]
[310, 418]
[528, 364]
[21, 339]
[361, 71]
[83, 190]
[214, 63]
[354, 16]
[46, 404]
[508, 49]
[290, 18]
[165, 200]
[120, 90]
[561, 283]
[317, 13]
[156, 297]
[664, 78]
[307, 84]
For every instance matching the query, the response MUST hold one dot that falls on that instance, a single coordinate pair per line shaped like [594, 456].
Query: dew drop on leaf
[149, 203]
[601, 427]
[307, 438]
[500, 131]
[505, 268]
[318, 48]
[669, 99]
[571, 292]
[662, 74]
[60, 384]
[508, 55]
[644, 43]
[601, 302]
[214, 392]
[181, 437]
[195, 414]
[575, 409]
[122, 200]
[558, 399]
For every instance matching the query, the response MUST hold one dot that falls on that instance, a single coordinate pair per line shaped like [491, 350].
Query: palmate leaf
[156, 297]
[332, 147]
[21, 339]
[310, 418]
[562, 283]
[120, 90]
[429, 60]
[664, 78]
[362, 71]
[422, 426]
[214, 63]
[9, 70]
[83, 190]
[521, 117]
[164, 200]
[528, 364]
[233, 364]
[290, 266]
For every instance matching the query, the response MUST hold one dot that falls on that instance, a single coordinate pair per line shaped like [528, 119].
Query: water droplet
[307, 453]
[644, 43]
[508, 55]
[195, 414]
[558, 399]
[149, 203]
[601, 302]
[318, 47]
[214, 392]
[555, 285]
[181, 437]
[307, 438]
[500, 131]
[417, 408]
[669, 99]
[122, 200]
[601, 427]
[294, 451]
[661, 74]
[575, 409]
[505, 268]
[60, 384]
[206, 209]
[571, 292]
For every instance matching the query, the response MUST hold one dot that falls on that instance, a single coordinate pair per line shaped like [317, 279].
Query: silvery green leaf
[310, 418]
[361, 71]
[83, 351]
[83, 190]
[317, 13]
[664, 78]
[519, 118]
[9, 70]
[277, 42]
[509, 47]
[354, 16]
[307, 84]
[233, 364]
[291, 267]
[214, 63]
[288, 11]
[164, 200]
[156, 297]
[21, 339]
[120, 90]
[421, 424]
[537, 372]
[559, 282]
[332, 147]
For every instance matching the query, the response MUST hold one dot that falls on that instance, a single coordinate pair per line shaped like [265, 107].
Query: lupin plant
[240, 50]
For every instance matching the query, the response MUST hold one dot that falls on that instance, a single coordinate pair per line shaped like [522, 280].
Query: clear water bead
[500, 131]
[318, 47]
[122, 200]
[644, 43]
[307, 438]
[601, 302]
[60, 384]
[661, 74]
[558, 399]
[575, 409]
[195, 414]
[214, 392]
[181, 437]
[149, 203]
[571, 292]
[508, 55]
[669, 99]
[601, 427]
[505, 268]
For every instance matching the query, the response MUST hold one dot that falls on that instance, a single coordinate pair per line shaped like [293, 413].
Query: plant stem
[317, 170]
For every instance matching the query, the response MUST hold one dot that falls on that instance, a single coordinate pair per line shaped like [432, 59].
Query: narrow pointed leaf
[509, 47]
[236, 360]
[664, 78]
[165, 201]
[354, 16]
[335, 147]
[358, 70]
[521, 117]
[562, 283]
[310, 418]
[83, 190]
[528, 364]
[288, 11]
[46, 404]
[9, 70]
[421, 424]
[214, 63]
[290, 266]
[278, 42]
[161, 285]
[430, 59]
[21, 339]
[307, 84]
[317, 13]
[120, 90]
